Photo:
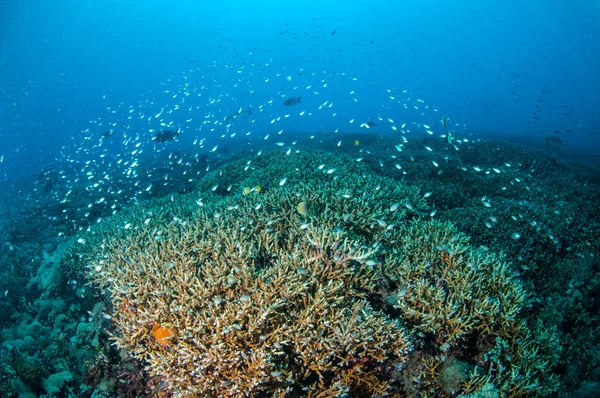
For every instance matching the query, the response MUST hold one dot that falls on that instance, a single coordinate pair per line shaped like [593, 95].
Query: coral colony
[233, 294]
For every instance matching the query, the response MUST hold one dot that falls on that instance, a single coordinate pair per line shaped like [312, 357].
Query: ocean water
[338, 198]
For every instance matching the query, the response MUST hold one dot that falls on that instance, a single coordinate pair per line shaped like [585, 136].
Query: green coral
[55, 383]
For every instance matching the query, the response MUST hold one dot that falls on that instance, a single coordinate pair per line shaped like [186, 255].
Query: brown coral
[267, 301]
[259, 306]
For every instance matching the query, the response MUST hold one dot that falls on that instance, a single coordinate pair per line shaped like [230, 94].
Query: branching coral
[448, 288]
[258, 302]
[249, 317]
[248, 296]
[459, 294]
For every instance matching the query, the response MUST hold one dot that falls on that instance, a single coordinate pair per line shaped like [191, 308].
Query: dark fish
[444, 122]
[333, 33]
[553, 140]
[371, 124]
[107, 134]
[292, 101]
[238, 114]
[450, 137]
[166, 136]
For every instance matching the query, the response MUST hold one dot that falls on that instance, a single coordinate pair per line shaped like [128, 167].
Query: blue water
[488, 66]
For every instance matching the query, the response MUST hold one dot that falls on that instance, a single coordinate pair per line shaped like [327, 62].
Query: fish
[239, 114]
[292, 101]
[303, 208]
[553, 140]
[166, 136]
[367, 125]
[450, 137]
[444, 122]
[162, 335]
[106, 134]
[248, 190]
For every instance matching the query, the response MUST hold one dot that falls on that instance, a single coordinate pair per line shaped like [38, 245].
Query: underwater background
[322, 199]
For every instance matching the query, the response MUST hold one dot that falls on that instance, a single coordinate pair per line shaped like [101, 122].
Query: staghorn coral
[258, 303]
[449, 289]
[245, 326]
[459, 294]
[261, 299]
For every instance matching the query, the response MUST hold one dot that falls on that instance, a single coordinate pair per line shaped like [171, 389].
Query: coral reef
[254, 301]
[413, 266]
[538, 211]
[240, 294]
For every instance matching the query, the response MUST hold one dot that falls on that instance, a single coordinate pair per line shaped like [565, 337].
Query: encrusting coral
[234, 292]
